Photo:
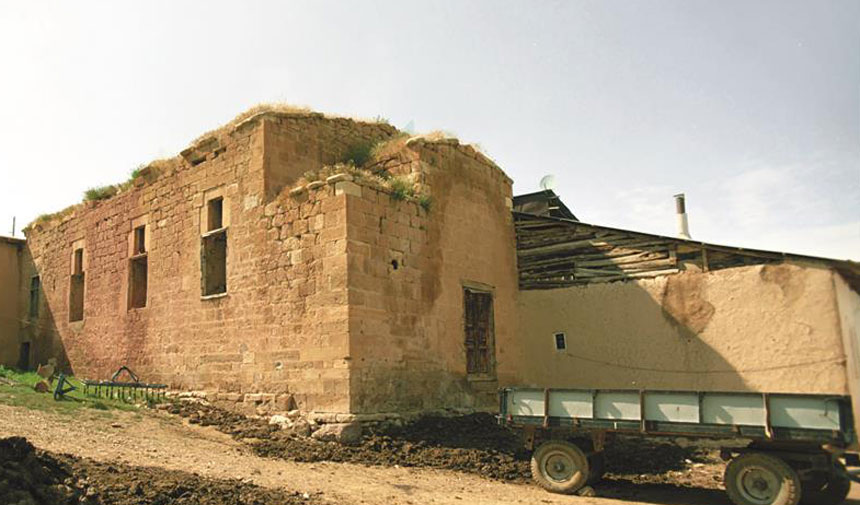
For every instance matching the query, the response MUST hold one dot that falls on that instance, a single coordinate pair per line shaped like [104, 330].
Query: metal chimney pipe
[681, 212]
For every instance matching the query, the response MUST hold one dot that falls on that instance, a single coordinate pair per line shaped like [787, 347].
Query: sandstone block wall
[770, 328]
[339, 298]
[280, 329]
[407, 270]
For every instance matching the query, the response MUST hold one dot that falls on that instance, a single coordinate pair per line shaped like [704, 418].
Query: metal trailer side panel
[797, 417]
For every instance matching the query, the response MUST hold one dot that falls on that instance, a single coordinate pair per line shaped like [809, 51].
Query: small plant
[425, 201]
[358, 154]
[100, 193]
[137, 172]
[381, 120]
[311, 176]
[401, 189]
[98, 405]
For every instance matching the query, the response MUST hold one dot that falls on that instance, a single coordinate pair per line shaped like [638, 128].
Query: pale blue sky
[751, 108]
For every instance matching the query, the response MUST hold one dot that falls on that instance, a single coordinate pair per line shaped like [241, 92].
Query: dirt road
[153, 438]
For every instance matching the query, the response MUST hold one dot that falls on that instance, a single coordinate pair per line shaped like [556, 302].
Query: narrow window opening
[79, 262]
[394, 264]
[140, 240]
[216, 214]
[138, 273]
[76, 288]
[214, 263]
[24, 356]
[560, 341]
[479, 331]
[35, 290]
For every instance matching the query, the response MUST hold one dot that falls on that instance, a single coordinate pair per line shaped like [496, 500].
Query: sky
[752, 109]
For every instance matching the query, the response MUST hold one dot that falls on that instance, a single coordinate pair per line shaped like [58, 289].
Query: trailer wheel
[756, 478]
[825, 490]
[560, 466]
[597, 467]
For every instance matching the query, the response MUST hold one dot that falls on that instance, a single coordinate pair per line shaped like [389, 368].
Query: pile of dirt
[126, 485]
[225, 421]
[29, 476]
[474, 443]
[636, 460]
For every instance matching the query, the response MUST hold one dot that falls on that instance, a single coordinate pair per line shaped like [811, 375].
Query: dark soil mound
[125, 485]
[473, 443]
[28, 477]
[226, 421]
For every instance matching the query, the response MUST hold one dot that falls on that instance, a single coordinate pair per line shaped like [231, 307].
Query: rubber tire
[597, 467]
[833, 491]
[790, 487]
[571, 450]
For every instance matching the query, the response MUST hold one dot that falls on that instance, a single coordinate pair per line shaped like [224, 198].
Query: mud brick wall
[763, 328]
[406, 323]
[11, 251]
[282, 326]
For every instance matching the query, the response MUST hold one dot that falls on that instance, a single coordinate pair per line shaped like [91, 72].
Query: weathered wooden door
[479, 331]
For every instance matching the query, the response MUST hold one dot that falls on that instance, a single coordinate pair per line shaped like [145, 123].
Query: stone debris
[343, 433]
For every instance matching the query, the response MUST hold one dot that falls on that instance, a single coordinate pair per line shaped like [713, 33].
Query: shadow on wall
[39, 338]
[603, 308]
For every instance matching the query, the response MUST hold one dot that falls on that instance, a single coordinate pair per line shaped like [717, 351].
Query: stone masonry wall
[294, 145]
[407, 270]
[281, 328]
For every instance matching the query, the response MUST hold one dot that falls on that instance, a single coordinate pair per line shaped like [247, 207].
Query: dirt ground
[156, 457]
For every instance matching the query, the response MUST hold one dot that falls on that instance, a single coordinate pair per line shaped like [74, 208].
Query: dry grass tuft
[276, 107]
[101, 192]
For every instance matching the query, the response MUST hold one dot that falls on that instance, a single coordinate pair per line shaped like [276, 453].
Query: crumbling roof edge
[463, 148]
[852, 266]
[12, 240]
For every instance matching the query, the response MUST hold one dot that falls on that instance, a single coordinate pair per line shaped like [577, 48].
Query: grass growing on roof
[359, 154]
[401, 189]
[100, 193]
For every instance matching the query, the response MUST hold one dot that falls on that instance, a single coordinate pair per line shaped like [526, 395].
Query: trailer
[799, 451]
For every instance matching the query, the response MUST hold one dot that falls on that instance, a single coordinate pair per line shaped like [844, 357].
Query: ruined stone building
[296, 260]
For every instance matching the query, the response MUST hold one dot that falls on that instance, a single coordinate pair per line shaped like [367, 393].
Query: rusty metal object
[128, 390]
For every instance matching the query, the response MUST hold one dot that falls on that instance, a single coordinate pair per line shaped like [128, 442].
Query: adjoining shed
[600, 307]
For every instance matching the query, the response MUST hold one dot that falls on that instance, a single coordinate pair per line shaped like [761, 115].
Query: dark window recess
[79, 262]
[76, 297]
[35, 289]
[214, 263]
[560, 342]
[76, 288]
[140, 240]
[479, 331]
[24, 356]
[138, 270]
[215, 214]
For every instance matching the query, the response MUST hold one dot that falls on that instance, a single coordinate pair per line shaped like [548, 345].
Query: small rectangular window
[214, 263]
[24, 356]
[76, 288]
[35, 289]
[79, 262]
[216, 214]
[560, 341]
[140, 240]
